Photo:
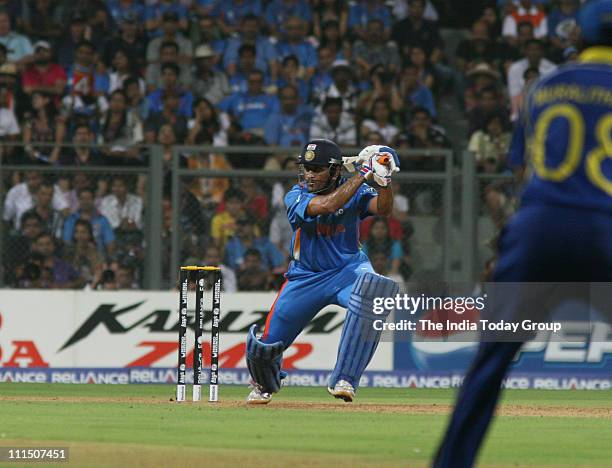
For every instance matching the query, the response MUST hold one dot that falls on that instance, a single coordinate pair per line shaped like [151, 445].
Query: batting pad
[264, 362]
[359, 339]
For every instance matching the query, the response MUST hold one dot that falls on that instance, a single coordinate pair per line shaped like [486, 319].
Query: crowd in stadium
[125, 73]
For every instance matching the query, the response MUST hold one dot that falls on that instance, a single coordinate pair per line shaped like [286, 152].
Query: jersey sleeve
[296, 202]
[364, 195]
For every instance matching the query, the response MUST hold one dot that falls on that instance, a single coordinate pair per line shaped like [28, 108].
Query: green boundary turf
[138, 425]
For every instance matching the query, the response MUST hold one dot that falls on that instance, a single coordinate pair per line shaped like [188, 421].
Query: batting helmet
[320, 152]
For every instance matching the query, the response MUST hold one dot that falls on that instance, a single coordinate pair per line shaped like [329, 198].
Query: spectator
[295, 43]
[128, 40]
[170, 33]
[103, 232]
[253, 276]
[342, 86]
[154, 16]
[322, 79]
[250, 109]
[561, 23]
[333, 39]
[415, 29]
[334, 124]
[9, 128]
[167, 139]
[44, 131]
[364, 11]
[82, 154]
[137, 103]
[107, 281]
[379, 239]
[212, 256]
[42, 75]
[480, 77]
[63, 275]
[169, 54]
[169, 115]
[208, 124]
[120, 10]
[51, 219]
[327, 11]
[533, 57]
[380, 263]
[245, 239]
[209, 83]
[488, 103]
[223, 224]
[40, 20]
[122, 209]
[19, 199]
[170, 83]
[84, 85]
[120, 129]
[290, 77]
[477, 48]
[278, 12]
[255, 200]
[265, 52]
[414, 93]
[19, 244]
[291, 125]
[231, 14]
[206, 31]
[379, 122]
[418, 58]
[78, 31]
[83, 255]
[374, 50]
[490, 146]
[382, 86]
[246, 64]
[525, 12]
[19, 47]
[423, 134]
[122, 70]
[124, 277]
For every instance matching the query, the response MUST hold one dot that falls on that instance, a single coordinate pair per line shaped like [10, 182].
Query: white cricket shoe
[258, 397]
[343, 390]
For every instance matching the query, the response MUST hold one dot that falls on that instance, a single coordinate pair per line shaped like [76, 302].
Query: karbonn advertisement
[116, 337]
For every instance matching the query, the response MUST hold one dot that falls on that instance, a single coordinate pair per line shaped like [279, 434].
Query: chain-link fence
[489, 199]
[114, 226]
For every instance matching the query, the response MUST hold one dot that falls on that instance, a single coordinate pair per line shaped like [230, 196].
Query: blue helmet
[320, 152]
[595, 21]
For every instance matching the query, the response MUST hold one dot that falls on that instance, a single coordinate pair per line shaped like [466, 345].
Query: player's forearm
[384, 200]
[328, 204]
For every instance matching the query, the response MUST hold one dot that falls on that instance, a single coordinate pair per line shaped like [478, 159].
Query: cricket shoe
[343, 390]
[258, 397]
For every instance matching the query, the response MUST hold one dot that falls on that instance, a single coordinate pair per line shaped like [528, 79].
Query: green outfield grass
[138, 425]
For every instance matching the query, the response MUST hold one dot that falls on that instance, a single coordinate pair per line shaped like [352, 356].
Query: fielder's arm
[332, 202]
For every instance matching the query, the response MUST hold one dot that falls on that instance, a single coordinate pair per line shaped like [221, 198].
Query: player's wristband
[365, 172]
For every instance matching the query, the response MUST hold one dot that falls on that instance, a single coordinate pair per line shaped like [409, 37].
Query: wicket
[186, 272]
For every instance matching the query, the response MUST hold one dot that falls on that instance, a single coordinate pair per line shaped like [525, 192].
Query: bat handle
[384, 160]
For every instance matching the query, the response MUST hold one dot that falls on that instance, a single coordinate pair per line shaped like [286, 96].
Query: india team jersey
[326, 242]
[569, 135]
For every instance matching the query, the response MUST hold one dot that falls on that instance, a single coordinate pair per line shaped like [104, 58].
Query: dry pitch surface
[140, 425]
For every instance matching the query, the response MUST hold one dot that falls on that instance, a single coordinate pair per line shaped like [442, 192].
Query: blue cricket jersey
[326, 242]
[568, 135]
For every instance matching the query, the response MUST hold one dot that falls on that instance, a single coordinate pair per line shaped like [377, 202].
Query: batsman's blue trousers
[304, 294]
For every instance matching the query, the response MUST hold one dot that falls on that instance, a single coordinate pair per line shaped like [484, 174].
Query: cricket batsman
[563, 230]
[328, 266]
